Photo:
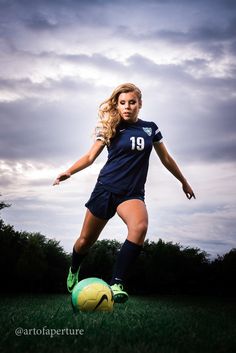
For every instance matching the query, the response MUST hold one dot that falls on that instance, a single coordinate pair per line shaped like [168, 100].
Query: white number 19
[137, 143]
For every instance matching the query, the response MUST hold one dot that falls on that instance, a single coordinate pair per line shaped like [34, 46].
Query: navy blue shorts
[103, 203]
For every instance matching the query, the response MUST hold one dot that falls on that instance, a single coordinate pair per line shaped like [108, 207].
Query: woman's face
[128, 106]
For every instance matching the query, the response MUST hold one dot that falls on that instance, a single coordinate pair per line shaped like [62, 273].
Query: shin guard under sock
[126, 257]
[76, 261]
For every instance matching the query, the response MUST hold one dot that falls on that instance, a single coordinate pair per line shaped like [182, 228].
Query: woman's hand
[62, 177]
[83, 162]
[188, 190]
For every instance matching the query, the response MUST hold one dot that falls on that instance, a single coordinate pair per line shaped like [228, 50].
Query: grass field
[153, 325]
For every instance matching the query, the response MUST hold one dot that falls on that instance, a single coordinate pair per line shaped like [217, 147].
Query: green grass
[153, 325]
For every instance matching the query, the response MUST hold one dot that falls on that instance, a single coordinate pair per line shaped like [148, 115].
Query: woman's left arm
[172, 166]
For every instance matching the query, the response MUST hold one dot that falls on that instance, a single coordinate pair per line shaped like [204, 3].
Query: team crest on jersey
[148, 130]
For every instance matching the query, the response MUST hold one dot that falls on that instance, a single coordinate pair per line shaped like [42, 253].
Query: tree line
[31, 263]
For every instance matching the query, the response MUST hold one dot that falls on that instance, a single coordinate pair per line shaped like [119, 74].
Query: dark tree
[29, 262]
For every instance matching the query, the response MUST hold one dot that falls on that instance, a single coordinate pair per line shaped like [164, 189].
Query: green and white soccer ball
[92, 294]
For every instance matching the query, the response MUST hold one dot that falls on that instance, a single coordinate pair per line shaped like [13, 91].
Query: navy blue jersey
[125, 171]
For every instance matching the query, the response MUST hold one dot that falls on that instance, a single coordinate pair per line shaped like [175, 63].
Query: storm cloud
[61, 59]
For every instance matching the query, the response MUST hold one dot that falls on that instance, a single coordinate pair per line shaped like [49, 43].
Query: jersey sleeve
[157, 137]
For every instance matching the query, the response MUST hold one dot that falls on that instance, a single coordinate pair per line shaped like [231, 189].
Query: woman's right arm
[82, 163]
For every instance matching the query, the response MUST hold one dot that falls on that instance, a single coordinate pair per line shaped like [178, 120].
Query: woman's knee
[90, 232]
[83, 244]
[139, 229]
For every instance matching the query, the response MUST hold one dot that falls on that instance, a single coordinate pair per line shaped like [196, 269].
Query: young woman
[120, 184]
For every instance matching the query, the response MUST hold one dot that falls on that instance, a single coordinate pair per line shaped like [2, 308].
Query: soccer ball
[92, 294]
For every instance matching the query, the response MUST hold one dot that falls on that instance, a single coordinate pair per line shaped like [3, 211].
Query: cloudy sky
[59, 59]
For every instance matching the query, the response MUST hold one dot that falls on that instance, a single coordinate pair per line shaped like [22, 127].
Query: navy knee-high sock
[76, 260]
[126, 257]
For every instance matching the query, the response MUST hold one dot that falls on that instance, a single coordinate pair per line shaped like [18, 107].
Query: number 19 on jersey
[137, 143]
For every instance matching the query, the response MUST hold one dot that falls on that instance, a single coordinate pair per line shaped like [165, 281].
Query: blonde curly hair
[109, 116]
